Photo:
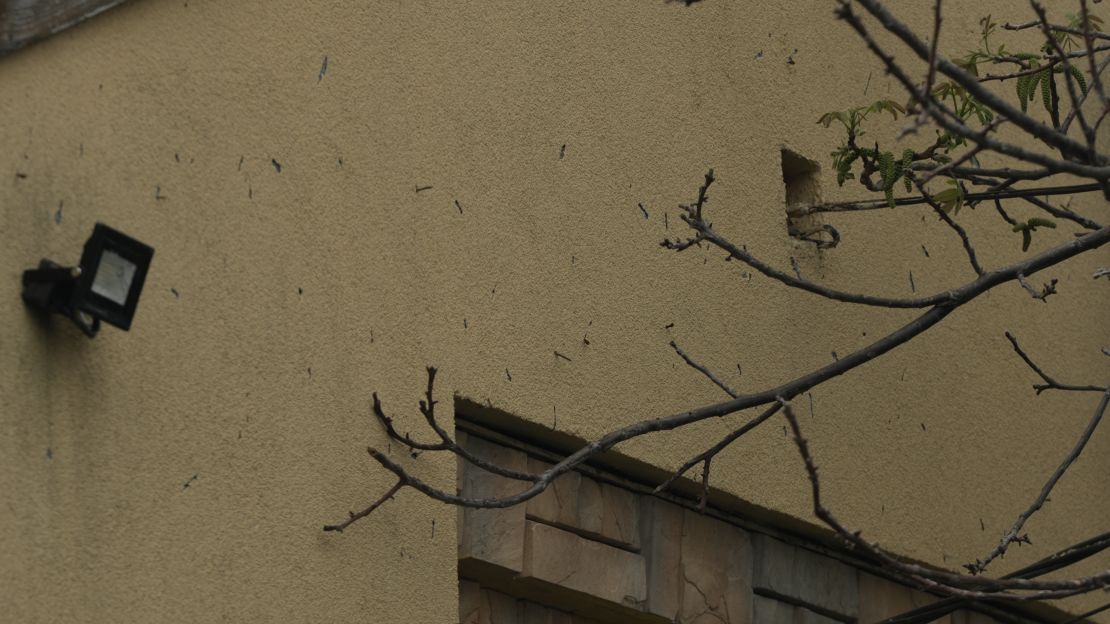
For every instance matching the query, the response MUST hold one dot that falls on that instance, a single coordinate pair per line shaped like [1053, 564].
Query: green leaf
[951, 199]
[887, 169]
[887, 105]
[1037, 222]
[1024, 86]
[843, 162]
[1079, 79]
[889, 173]
[907, 164]
[984, 114]
[830, 117]
[1046, 88]
[1029, 227]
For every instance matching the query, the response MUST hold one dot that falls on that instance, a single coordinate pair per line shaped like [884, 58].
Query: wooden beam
[25, 21]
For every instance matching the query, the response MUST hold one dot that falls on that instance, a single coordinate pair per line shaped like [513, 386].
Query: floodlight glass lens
[113, 277]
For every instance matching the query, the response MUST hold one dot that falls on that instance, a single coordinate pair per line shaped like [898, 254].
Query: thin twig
[950, 301]
[878, 204]
[956, 227]
[1087, 614]
[1063, 213]
[949, 120]
[1050, 61]
[1042, 294]
[703, 370]
[1014, 534]
[1076, 102]
[1055, 27]
[1005, 216]
[366, 512]
[966, 156]
[959, 585]
[721, 445]
[1088, 41]
[704, 485]
[1071, 114]
[955, 298]
[1049, 382]
[969, 82]
[1056, 561]
[427, 408]
[930, 78]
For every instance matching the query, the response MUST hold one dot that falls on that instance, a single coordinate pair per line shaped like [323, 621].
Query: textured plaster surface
[182, 471]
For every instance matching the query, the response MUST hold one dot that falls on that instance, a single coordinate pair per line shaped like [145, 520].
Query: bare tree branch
[721, 445]
[1062, 213]
[786, 391]
[946, 119]
[1042, 294]
[1046, 135]
[1083, 616]
[953, 115]
[956, 227]
[1054, 27]
[354, 517]
[878, 204]
[1098, 68]
[704, 484]
[1056, 561]
[958, 585]
[1089, 43]
[930, 78]
[704, 371]
[1076, 101]
[1014, 534]
[1049, 382]
[446, 443]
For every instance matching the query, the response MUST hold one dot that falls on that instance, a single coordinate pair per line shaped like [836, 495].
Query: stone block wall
[587, 551]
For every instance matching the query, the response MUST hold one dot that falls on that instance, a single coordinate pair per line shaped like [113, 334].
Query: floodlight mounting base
[49, 288]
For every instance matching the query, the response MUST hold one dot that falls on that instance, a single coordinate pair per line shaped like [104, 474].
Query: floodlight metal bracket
[49, 288]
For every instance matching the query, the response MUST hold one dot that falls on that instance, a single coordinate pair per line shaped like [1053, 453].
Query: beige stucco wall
[300, 292]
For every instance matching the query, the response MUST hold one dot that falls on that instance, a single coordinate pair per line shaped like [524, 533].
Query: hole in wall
[801, 178]
[799, 174]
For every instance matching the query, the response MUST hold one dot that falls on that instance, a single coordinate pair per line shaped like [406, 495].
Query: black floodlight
[104, 287]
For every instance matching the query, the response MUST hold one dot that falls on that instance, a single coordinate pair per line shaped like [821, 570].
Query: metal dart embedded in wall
[105, 286]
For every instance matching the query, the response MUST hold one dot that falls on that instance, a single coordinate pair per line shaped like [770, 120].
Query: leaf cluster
[1037, 79]
[1029, 227]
